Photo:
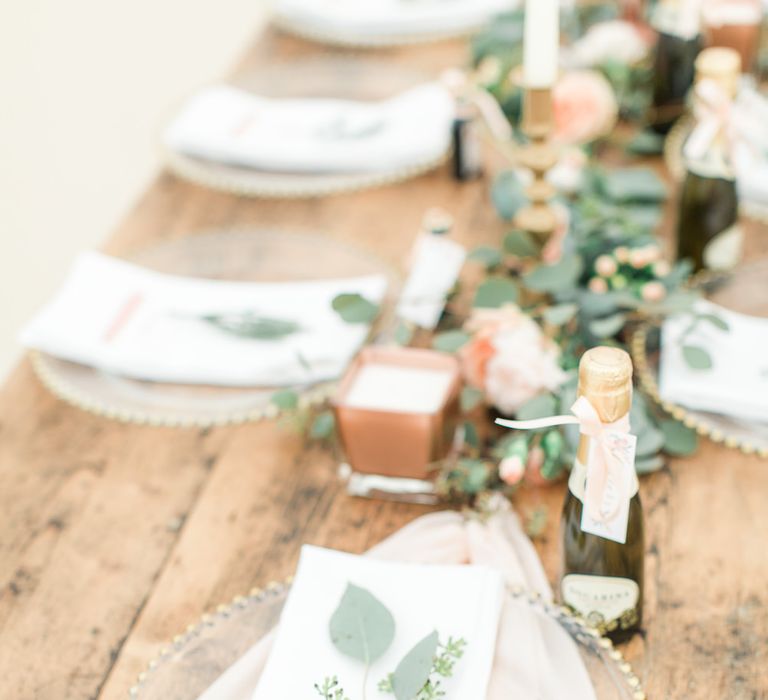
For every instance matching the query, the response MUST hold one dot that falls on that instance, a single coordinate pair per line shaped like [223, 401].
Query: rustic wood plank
[113, 538]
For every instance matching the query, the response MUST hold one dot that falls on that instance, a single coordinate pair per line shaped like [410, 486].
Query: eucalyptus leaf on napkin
[361, 627]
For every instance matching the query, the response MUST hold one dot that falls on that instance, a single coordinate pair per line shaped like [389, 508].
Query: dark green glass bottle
[602, 579]
[678, 45]
[708, 231]
[673, 73]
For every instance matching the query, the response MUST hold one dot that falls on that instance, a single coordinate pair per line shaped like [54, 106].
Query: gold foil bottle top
[721, 65]
[605, 378]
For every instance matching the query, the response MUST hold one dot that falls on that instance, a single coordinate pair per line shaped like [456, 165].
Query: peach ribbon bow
[603, 460]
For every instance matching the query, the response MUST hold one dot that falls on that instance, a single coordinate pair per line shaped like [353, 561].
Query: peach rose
[483, 324]
[584, 107]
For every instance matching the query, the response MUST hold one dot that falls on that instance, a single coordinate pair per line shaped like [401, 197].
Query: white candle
[541, 42]
[392, 388]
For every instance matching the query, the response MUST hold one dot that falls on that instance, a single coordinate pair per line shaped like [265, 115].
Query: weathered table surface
[113, 538]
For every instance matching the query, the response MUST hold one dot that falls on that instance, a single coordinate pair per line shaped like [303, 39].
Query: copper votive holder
[397, 444]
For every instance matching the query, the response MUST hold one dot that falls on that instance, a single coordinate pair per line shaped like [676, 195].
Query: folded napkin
[131, 321]
[737, 383]
[355, 20]
[457, 601]
[314, 135]
[534, 657]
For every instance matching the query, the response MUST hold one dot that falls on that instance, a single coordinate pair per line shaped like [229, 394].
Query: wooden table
[113, 538]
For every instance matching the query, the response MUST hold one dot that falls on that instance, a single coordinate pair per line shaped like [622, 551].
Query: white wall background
[84, 85]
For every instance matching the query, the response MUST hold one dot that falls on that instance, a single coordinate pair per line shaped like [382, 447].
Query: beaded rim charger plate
[252, 256]
[317, 78]
[673, 156]
[196, 658]
[743, 290]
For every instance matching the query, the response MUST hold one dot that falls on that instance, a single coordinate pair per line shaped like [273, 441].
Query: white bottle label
[724, 250]
[606, 602]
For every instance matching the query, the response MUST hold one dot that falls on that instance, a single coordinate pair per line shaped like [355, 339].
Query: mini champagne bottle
[673, 71]
[708, 231]
[602, 578]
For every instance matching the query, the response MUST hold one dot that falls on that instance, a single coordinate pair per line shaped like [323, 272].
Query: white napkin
[132, 321]
[228, 125]
[356, 19]
[457, 601]
[737, 383]
[534, 658]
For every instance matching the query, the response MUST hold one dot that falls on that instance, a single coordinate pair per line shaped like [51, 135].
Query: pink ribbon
[603, 460]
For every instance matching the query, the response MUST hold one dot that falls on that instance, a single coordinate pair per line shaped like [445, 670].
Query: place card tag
[618, 489]
[436, 264]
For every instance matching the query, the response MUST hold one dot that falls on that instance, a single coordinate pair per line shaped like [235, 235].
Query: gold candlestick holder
[538, 217]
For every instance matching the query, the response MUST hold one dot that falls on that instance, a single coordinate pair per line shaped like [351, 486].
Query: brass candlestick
[538, 218]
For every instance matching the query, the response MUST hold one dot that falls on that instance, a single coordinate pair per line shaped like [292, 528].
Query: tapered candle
[541, 42]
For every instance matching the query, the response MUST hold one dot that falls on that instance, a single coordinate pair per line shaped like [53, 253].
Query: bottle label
[724, 250]
[606, 602]
[616, 484]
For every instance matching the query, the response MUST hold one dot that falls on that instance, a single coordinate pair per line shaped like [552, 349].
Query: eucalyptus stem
[365, 679]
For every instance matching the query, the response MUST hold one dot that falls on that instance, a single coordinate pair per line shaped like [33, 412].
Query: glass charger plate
[744, 290]
[199, 656]
[254, 256]
[321, 77]
[673, 156]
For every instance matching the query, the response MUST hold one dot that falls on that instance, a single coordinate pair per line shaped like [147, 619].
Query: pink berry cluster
[638, 270]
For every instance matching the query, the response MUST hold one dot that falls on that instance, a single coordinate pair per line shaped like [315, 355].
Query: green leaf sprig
[251, 325]
[363, 628]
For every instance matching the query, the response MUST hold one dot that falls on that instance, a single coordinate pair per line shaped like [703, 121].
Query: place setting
[312, 128]
[503, 412]
[382, 23]
[205, 329]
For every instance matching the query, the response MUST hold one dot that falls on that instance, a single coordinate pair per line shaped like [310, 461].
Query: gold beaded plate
[328, 77]
[196, 658]
[744, 290]
[252, 256]
[673, 156]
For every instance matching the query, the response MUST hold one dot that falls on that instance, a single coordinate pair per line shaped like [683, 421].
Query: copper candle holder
[398, 444]
[539, 156]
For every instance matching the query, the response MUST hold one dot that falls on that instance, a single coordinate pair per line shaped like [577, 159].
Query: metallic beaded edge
[673, 158]
[283, 187]
[573, 624]
[638, 345]
[207, 620]
[82, 400]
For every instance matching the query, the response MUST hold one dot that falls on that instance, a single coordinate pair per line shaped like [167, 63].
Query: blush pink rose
[584, 107]
[526, 363]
